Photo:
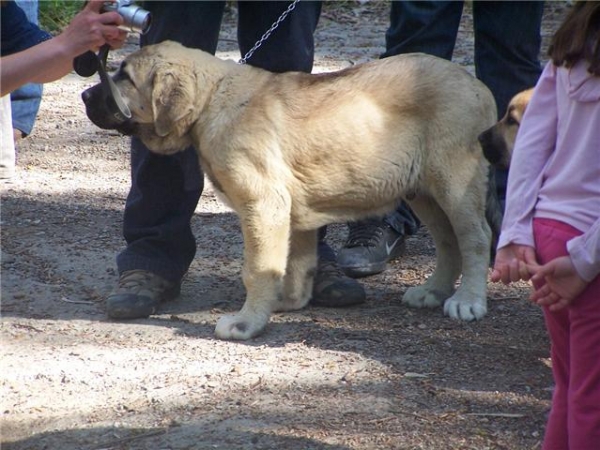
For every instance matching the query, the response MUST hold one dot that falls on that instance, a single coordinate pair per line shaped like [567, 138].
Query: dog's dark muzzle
[493, 147]
[106, 110]
[103, 103]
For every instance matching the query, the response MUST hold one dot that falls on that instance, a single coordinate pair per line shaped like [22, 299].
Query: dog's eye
[510, 120]
[123, 76]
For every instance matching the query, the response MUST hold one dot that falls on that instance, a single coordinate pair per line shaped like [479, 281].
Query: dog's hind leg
[266, 228]
[440, 285]
[300, 273]
[462, 242]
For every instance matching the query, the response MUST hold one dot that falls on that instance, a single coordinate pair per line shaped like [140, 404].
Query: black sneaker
[138, 295]
[333, 288]
[369, 247]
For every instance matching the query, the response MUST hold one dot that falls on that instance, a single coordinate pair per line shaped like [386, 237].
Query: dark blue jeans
[166, 189]
[507, 46]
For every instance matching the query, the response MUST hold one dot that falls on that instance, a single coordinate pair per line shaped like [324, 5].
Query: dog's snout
[103, 111]
[88, 95]
[484, 137]
[493, 147]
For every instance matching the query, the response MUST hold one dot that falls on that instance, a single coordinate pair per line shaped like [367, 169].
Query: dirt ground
[378, 376]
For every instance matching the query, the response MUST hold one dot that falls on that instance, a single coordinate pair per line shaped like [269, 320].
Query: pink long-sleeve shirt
[555, 167]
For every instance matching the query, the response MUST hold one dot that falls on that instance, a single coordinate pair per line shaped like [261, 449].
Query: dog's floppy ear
[173, 100]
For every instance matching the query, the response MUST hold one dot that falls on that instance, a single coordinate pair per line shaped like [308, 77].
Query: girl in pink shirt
[551, 229]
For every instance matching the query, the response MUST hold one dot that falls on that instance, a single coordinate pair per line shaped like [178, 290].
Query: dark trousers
[166, 189]
[507, 46]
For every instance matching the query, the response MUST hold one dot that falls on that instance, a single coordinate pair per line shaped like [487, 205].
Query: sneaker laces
[141, 279]
[365, 233]
[329, 269]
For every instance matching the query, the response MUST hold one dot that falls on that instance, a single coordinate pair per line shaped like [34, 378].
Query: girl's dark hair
[578, 37]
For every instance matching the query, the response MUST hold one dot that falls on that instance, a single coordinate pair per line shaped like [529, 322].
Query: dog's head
[159, 86]
[498, 141]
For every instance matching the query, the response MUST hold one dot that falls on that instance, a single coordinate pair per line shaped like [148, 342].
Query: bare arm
[53, 59]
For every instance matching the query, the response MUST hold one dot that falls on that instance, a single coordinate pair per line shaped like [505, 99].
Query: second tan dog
[292, 152]
[498, 141]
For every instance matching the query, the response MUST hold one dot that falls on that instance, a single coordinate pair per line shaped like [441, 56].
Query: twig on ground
[110, 445]
[509, 415]
[80, 302]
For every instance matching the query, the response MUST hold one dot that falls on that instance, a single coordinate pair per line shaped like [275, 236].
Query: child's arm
[585, 252]
[534, 146]
[535, 143]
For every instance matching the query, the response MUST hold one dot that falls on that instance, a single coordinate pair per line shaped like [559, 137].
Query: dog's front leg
[300, 273]
[474, 238]
[266, 228]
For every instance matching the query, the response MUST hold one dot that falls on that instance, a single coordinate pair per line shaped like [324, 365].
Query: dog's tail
[493, 211]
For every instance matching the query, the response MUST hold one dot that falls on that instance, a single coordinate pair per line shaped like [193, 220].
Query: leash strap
[112, 96]
[86, 65]
[267, 33]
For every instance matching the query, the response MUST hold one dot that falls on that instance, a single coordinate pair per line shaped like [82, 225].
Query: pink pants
[574, 422]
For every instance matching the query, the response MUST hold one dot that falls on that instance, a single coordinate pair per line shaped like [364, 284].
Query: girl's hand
[562, 283]
[511, 263]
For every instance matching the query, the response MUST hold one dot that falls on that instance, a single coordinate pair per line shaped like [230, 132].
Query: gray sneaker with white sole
[371, 244]
[139, 294]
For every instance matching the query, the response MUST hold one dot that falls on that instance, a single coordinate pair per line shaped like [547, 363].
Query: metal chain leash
[265, 36]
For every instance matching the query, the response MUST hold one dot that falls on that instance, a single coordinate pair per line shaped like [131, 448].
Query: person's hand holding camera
[91, 28]
[50, 60]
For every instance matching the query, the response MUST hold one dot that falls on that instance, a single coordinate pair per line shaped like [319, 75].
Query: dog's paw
[465, 309]
[239, 327]
[421, 297]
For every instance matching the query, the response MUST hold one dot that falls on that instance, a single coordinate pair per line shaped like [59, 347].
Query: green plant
[54, 15]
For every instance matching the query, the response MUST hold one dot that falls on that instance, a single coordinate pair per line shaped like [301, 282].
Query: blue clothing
[507, 39]
[166, 189]
[19, 32]
[507, 46]
[31, 10]
[25, 104]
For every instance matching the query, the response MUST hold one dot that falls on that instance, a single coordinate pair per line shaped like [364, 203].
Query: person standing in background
[165, 190]
[507, 47]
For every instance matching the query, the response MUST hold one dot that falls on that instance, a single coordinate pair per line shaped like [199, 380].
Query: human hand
[562, 283]
[90, 29]
[511, 263]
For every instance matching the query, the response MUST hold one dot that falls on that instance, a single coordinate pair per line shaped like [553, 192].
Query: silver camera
[134, 17]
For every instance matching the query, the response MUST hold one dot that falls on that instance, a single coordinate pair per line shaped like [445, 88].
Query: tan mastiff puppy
[292, 152]
[498, 141]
